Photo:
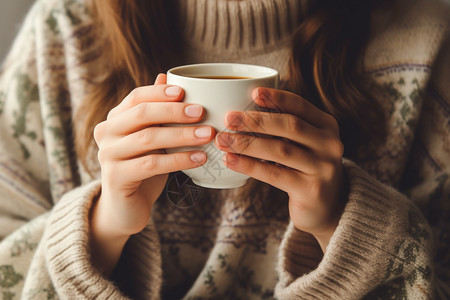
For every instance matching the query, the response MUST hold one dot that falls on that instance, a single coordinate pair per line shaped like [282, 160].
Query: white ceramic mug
[219, 88]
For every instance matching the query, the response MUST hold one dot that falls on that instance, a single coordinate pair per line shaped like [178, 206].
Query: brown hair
[326, 69]
[325, 62]
[130, 29]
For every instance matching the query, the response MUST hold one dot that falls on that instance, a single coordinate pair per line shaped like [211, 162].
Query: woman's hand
[298, 151]
[134, 166]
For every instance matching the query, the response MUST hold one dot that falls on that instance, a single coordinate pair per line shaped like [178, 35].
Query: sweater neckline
[247, 25]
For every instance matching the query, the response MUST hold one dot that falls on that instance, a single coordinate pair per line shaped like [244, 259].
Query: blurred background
[12, 13]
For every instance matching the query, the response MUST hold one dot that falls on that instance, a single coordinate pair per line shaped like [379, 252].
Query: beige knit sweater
[392, 241]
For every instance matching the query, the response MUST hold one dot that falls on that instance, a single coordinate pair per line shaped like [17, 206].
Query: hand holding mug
[300, 152]
[134, 164]
[219, 87]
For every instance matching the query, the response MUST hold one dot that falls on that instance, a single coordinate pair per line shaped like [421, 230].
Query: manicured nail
[203, 132]
[255, 94]
[193, 111]
[224, 139]
[172, 91]
[198, 157]
[234, 119]
[261, 95]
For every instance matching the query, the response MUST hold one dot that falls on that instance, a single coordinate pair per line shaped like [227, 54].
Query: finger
[278, 176]
[151, 93]
[161, 79]
[141, 168]
[147, 114]
[280, 125]
[279, 151]
[290, 103]
[153, 138]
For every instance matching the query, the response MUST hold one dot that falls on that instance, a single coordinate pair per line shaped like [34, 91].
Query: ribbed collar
[229, 26]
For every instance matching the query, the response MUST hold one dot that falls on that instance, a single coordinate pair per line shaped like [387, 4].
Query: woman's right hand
[134, 165]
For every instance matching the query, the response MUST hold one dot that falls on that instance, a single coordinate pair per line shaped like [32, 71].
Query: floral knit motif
[392, 241]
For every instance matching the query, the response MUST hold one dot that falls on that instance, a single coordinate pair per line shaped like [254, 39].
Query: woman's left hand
[297, 150]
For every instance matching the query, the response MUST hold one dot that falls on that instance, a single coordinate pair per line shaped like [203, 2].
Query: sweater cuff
[371, 245]
[68, 259]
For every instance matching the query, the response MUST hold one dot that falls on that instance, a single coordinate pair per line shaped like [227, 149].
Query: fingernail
[203, 132]
[198, 157]
[261, 95]
[255, 94]
[234, 119]
[224, 139]
[172, 91]
[193, 111]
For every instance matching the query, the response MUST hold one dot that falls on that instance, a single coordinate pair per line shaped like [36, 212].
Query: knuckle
[145, 136]
[150, 163]
[180, 160]
[139, 111]
[327, 170]
[184, 133]
[283, 149]
[111, 113]
[294, 124]
[334, 124]
[169, 110]
[336, 147]
[333, 120]
[273, 174]
[102, 156]
[254, 119]
[99, 132]
[133, 96]
[301, 108]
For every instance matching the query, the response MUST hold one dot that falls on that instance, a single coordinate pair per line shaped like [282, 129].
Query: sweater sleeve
[381, 237]
[44, 210]
[62, 259]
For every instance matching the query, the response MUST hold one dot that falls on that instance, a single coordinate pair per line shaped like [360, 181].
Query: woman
[92, 218]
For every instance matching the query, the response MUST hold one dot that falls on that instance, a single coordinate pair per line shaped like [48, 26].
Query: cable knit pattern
[392, 241]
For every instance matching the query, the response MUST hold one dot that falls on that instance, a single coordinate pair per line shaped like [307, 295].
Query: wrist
[102, 221]
[106, 243]
[323, 236]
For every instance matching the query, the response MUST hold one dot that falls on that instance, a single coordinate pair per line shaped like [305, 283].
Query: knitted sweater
[392, 240]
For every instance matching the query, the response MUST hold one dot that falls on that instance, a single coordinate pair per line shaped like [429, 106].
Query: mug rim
[266, 72]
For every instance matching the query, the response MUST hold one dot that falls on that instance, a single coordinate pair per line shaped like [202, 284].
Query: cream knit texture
[392, 241]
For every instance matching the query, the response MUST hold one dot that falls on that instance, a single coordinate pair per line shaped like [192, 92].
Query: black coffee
[221, 77]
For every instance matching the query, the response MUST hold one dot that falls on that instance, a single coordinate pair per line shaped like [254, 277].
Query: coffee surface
[221, 77]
